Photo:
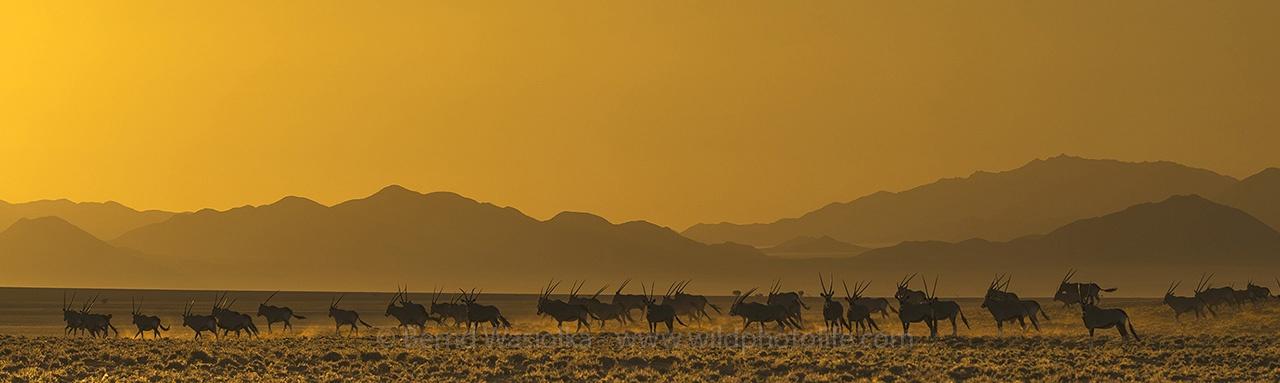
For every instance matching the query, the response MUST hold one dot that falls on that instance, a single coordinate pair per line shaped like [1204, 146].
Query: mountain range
[1032, 199]
[444, 239]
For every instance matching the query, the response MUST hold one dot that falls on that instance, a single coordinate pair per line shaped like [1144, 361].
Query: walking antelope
[276, 313]
[96, 323]
[858, 314]
[1096, 318]
[628, 302]
[230, 320]
[561, 311]
[408, 313]
[753, 312]
[1215, 296]
[145, 322]
[656, 313]
[478, 313]
[73, 318]
[904, 293]
[1259, 293]
[1005, 307]
[689, 305]
[1182, 305]
[832, 311]
[1030, 305]
[448, 310]
[790, 300]
[345, 317]
[945, 309]
[599, 310]
[880, 305]
[1070, 293]
[199, 323]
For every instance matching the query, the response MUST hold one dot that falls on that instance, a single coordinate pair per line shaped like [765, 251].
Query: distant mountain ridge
[1032, 199]
[806, 246]
[105, 220]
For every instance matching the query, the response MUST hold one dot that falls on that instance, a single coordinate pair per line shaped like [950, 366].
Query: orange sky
[676, 112]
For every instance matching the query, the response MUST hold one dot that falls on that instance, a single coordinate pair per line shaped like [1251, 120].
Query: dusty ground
[1239, 345]
[622, 357]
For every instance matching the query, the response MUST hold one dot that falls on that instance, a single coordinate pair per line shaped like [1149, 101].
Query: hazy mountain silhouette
[49, 251]
[1031, 199]
[398, 234]
[401, 236]
[1140, 247]
[105, 220]
[808, 247]
[1259, 195]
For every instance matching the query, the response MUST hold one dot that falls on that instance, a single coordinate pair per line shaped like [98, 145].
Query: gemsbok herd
[853, 312]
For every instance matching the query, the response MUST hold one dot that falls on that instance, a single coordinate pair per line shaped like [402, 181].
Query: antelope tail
[1042, 313]
[1129, 321]
[963, 319]
[1113, 289]
[163, 328]
[680, 321]
[895, 311]
[504, 321]
[806, 307]
[714, 307]
[365, 324]
[298, 316]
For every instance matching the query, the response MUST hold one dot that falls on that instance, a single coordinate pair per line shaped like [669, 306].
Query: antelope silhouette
[752, 312]
[628, 302]
[1030, 305]
[96, 324]
[689, 305]
[478, 313]
[833, 314]
[790, 300]
[345, 317]
[1006, 307]
[915, 309]
[199, 323]
[1258, 293]
[448, 310]
[73, 318]
[1182, 305]
[859, 314]
[145, 322]
[880, 305]
[409, 314]
[600, 311]
[904, 293]
[561, 311]
[1215, 296]
[230, 320]
[656, 313]
[1096, 318]
[277, 313]
[945, 309]
[1070, 293]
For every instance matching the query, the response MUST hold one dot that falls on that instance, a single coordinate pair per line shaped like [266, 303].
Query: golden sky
[671, 111]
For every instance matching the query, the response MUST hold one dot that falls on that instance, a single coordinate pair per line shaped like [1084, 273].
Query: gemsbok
[199, 323]
[945, 309]
[1181, 305]
[628, 302]
[915, 309]
[859, 315]
[656, 313]
[791, 300]
[1215, 296]
[1096, 318]
[1070, 293]
[96, 323]
[601, 311]
[562, 311]
[690, 305]
[145, 322]
[408, 313]
[478, 313]
[345, 317]
[1006, 307]
[448, 310]
[230, 320]
[753, 312]
[833, 314]
[277, 313]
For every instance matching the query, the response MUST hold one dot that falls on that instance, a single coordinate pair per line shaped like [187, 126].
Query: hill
[1258, 194]
[1031, 199]
[50, 251]
[105, 220]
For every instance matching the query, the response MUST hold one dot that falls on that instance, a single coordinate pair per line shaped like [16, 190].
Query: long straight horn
[624, 284]
[601, 290]
[273, 295]
[820, 283]
[1007, 279]
[846, 289]
[864, 288]
[935, 287]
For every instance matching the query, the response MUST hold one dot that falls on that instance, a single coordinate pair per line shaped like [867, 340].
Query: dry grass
[1238, 346]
